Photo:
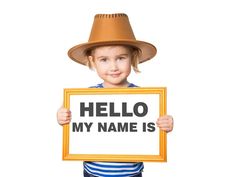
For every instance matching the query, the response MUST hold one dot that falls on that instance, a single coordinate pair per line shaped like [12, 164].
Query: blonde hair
[135, 55]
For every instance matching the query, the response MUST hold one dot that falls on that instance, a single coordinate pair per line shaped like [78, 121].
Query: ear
[91, 62]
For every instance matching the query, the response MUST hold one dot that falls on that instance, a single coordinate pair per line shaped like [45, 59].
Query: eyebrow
[124, 54]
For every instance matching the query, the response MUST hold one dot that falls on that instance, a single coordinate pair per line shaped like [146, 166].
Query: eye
[103, 60]
[121, 58]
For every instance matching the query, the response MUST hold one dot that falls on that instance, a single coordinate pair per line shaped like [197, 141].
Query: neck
[108, 85]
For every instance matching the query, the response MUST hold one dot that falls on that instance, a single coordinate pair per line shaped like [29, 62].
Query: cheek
[126, 66]
[129, 69]
[101, 68]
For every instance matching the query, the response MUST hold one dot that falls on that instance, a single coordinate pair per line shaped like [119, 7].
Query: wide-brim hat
[111, 29]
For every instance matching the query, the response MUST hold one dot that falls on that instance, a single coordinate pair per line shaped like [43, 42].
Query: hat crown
[111, 27]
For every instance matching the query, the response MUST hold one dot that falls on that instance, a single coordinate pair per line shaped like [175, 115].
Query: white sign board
[115, 124]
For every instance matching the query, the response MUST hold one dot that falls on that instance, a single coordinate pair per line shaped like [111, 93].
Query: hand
[63, 116]
[165, 123]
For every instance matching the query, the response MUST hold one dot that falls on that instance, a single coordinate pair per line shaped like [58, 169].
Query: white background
[115, 142]
[195, 60]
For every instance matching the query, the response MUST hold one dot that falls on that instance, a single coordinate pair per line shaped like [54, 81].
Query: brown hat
[111, 29]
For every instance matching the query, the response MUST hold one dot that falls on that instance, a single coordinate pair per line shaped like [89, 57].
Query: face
[112, 64]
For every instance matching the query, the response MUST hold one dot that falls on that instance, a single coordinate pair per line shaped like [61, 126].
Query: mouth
[115, 75]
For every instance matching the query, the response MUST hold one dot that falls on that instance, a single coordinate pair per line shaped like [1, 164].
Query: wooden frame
[156, 157]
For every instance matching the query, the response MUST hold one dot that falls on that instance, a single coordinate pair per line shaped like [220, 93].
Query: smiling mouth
[115, 75]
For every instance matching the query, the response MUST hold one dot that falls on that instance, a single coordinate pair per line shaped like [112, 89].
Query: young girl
[111, 51]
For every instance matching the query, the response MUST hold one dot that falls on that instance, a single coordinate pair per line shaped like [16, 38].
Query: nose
[113, 66]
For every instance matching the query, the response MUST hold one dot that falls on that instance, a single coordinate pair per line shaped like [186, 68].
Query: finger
[65, 118]
[166, 129]
[166, 117]
[65, 114]
[164, 126]
[160, 122]
[62, 122]
[66, 122]
[61, 115]
[61, 110]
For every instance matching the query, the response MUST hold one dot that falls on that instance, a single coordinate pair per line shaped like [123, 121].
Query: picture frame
[75, 138]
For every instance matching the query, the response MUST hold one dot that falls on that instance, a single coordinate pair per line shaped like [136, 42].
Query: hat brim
[78, 52]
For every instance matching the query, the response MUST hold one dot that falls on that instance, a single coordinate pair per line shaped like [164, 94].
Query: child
[111, 50]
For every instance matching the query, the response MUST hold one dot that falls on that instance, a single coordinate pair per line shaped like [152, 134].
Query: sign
[115, 124]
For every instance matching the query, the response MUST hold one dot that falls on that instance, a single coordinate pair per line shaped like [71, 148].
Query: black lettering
[133, 127]
[122, 127]
[112, 127]
[136, 109]
[102, 127]
[124, 111]
[77, 127]
[151, 126]
[100, 108]
[88, 126]
[144, 127]
[111, 109]
[83, 109]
